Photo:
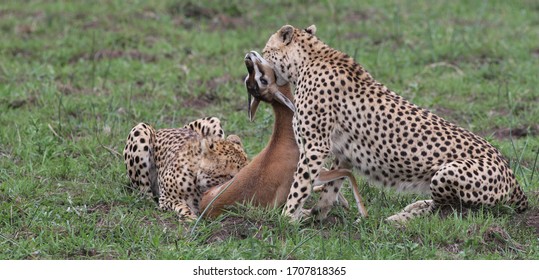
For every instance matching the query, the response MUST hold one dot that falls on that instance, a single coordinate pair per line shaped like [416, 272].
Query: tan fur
[266, 180]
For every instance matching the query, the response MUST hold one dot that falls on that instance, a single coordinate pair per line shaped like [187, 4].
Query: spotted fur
[342, 110]
[177, 165]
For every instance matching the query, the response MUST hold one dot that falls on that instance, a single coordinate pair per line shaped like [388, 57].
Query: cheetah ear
[311, 29]
[234, 139]
[286, 34]
[206, 145]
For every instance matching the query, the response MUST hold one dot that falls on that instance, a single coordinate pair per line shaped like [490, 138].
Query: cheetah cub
[177, 165]
[342, 110]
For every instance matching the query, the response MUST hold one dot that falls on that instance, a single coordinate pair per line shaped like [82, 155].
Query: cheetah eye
[263, 81]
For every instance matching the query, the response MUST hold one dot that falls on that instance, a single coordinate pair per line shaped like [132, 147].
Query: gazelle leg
[340, 197]
[332, 175]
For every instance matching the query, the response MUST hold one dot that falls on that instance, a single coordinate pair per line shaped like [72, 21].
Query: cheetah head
[286, 48]
[261, 84]
[221, 160]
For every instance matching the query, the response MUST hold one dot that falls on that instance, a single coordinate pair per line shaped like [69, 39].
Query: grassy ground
[75, 76]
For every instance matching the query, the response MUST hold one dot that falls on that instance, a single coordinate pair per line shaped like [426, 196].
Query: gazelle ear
[281, 98]
[311, 29]
[286, 33]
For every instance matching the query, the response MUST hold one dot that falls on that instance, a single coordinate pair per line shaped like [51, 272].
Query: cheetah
[342, 110]
[175, 166]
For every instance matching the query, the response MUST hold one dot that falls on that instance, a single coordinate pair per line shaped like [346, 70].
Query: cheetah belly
[377, 167]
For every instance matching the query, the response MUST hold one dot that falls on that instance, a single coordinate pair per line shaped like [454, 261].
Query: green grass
[75, 76]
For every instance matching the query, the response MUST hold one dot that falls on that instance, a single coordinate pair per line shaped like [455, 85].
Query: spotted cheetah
[342, 110]
[177, 165]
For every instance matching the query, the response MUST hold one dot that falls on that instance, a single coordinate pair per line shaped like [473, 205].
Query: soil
[237, 227]
[518, 132]
[15, 104]
[113, 54]
[532, 220]
[199, 102]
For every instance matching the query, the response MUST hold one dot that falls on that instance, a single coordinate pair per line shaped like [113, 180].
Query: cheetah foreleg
[301, 189]
[178, 196]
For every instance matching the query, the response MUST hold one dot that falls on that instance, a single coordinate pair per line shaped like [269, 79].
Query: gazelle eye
[263, 81]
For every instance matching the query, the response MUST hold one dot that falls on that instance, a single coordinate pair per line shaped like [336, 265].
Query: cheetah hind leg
[140, 162]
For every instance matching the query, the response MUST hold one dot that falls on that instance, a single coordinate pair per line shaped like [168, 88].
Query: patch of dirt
[114, 54]
[164, 222]
[532, 220]
[68, 88]
[215, 82]
[358, 16]
[199, 102]
[535, 53]
[83, 252]
[354, 36]
[103, 208]
[495, 239]
[91, 24]
[15, 104]
[21, 52]
[105, 222]
[36, 15]
[474, 22]
[191, 10]
[454, 248]
[498, 133]
[223, 22]
[211, 94]
[498, 238]
[190, 14]
[239, 228]
[235, 227]
[518, 132]
[25, 29]
[448, 210]
[86, 253]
